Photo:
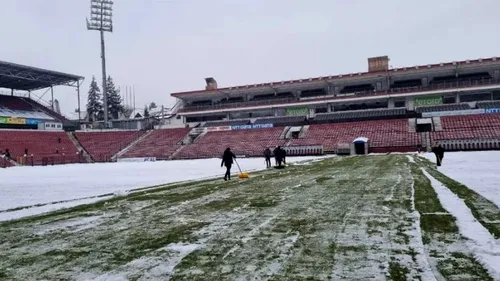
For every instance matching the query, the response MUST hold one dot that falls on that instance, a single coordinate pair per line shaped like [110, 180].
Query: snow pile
[479, 171]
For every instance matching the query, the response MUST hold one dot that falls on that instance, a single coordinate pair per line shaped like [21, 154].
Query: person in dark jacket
[227, 160]
[277, 156]
[283, 156]
[280, 155]
[267, 155]
[7, 153]
[438, 150]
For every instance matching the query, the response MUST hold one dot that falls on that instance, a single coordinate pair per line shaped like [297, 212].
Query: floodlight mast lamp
[101, 12]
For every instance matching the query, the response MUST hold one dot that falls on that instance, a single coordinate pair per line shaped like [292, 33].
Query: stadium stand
[385, 134]
[235, 122]
[103, 145]
[282, 121]
[242, 142]
[443, 107]
[160, 144]
[39, 107]
[14, 103]
[463, 127]
[46, 147]
[356, 115]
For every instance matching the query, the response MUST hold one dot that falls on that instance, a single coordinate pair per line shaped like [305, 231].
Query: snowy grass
[75, 184]
[486, 211]
[343, 218]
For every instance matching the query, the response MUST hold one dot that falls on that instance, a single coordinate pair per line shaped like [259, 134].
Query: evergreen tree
[152, 105]
[94, 105]
[146, 111]
[114, 99]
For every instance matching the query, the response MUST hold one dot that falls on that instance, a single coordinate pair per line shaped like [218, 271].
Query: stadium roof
[27, 78]
[401, 70]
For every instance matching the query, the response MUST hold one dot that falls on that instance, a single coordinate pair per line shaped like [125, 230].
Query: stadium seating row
[359, 114]
[443, 107]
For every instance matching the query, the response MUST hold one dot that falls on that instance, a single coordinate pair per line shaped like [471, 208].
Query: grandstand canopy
[27, 78]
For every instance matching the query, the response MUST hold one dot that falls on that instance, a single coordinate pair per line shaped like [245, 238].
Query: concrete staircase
[123, 151]
[436, 121]
[176, 152]
[284, 132]
[426, 141]
[303, 132]
[412, 125]
[78, 146]
[195, 135]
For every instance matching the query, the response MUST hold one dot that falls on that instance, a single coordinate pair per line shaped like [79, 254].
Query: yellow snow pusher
[241, 175]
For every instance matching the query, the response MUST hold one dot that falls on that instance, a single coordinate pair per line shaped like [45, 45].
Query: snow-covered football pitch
[377, 217]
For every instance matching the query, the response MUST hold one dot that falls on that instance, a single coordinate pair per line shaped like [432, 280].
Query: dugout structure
[27, 78]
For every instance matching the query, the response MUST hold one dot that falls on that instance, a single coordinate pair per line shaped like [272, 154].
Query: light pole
[101, 12]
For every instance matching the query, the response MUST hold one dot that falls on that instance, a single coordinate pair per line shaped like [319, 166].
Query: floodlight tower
[101, 12]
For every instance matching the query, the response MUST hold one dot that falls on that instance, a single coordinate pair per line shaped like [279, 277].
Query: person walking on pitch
[267, 155]
[227, 160]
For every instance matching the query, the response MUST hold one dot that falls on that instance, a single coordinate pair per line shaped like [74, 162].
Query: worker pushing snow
[227, 160]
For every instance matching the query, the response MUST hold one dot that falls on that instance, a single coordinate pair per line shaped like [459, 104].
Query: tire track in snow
[481, 242]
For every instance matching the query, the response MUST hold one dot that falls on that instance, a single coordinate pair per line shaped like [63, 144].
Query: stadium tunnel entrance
[359, 146]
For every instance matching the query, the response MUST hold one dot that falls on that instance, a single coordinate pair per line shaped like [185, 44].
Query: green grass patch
[397, 272]
[143, 242]
[263, 202]
[225, 204]
[322, 179]
[465, 265]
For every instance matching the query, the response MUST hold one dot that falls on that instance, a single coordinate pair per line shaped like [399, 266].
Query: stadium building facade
[379, 88]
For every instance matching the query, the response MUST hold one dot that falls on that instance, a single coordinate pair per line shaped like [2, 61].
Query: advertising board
[16, 121]
[297, 111]
[32, 121]
[492, 110]
[454, 112]
[254, 126]
[137, 159]
[219, 128]
[428, 100]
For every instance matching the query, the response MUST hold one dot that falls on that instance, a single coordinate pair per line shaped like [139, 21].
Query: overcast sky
[165, 46]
